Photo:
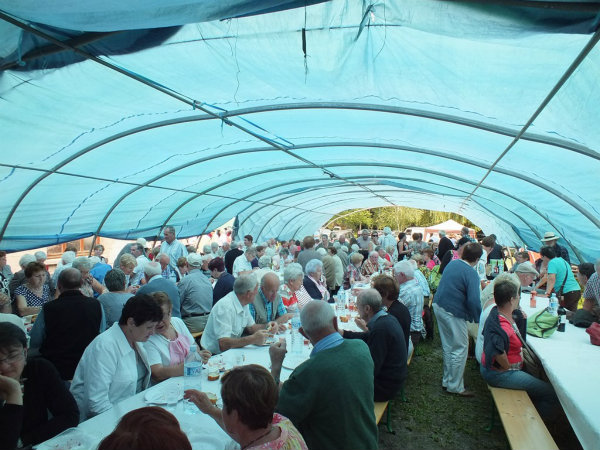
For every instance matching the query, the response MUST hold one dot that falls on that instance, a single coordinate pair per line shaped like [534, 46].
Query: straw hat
[549, 236]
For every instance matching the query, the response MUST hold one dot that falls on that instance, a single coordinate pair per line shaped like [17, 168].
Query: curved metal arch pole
[464, 192]
[443, 175]
[486, 209]
[512, 174]
[314, 212]
[287, 183]
[563, 79]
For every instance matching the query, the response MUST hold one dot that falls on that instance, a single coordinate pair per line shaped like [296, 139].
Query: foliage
[397, 218]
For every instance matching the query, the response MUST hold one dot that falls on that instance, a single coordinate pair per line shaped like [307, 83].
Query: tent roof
[286, 116]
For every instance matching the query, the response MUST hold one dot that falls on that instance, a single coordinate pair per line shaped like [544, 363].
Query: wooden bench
[197, 336]
[523, 425]
[380, 408]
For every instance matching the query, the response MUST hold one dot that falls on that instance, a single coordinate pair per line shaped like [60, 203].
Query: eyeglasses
[10, 359]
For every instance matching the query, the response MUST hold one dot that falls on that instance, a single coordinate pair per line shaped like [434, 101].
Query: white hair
[40, 255]
[26, 259]
[317, 315]
[404, 267]
[214, 246]
[354, 247]
[264, 261]
[152, 269]
[82, 263]
[313, 265]
[321, 251]
[206, 249]
[245, 283]
[345, 248]
[292, 272]
[94, 260]
[68, 257]
[374, 253]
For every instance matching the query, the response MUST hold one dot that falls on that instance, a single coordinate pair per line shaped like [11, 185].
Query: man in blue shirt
[268, 305]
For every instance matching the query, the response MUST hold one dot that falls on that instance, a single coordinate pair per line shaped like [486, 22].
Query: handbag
[594, 332]
[542, 324]
[531, 363]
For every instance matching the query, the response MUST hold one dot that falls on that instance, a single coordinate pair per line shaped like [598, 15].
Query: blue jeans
[541, 393]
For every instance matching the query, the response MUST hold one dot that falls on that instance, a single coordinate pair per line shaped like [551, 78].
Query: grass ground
[432, 419]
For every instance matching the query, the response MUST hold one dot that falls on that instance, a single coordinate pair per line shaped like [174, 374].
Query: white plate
[291, 362]
[158, 396]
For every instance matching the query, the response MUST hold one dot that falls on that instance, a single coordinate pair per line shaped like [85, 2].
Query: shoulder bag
[542, 324]
[531, 363]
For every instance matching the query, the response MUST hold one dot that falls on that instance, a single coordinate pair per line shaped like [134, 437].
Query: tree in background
[397, 218]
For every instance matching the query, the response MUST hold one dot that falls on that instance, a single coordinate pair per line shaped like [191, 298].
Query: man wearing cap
[172, 247]
[527, 274]
[388, 239]
[196, 295]
[551, 240]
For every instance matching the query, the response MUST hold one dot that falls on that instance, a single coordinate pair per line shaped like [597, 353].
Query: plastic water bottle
[192, 377]
[554, 304]
[297, 339]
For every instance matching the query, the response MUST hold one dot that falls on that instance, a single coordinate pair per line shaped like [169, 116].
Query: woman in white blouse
[168, 348]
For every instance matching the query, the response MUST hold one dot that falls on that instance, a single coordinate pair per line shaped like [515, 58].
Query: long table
[202, 431]
[572, 364]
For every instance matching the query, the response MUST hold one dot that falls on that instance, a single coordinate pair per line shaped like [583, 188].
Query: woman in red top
[501, 361]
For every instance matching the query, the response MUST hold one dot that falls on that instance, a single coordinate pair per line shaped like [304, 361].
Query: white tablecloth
[202, 431]
[572, 364]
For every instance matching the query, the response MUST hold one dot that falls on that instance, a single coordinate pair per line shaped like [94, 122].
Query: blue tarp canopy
[118, 118]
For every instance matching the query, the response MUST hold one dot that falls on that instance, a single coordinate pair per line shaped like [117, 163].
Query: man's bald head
[269, 284]
[69, 279]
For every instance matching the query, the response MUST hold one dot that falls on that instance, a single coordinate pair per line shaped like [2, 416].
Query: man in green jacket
[329, 397]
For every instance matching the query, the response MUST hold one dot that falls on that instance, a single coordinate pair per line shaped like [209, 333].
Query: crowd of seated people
[139, 329]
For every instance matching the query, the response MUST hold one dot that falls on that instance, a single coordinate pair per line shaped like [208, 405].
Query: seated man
[329, 397]
[156, 282]
[196, 295]
[386, 343]
[243, 263]
[268, 305]
[66, 326]
[230, 318]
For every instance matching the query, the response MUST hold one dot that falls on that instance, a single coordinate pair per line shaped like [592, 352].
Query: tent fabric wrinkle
[122, 117]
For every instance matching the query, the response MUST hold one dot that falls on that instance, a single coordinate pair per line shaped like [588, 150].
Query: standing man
[172, 247]
[248, 241]
[231, 256]
[66, 326]
[309, 251]
[196, 294]
[156, 282]
[324, 242]
[457, 301]
[411, 295]
[329, 397]
[388, 239]
[551, 240]
[364, 240]
[444, 245]
[137, 250]
[386, 344]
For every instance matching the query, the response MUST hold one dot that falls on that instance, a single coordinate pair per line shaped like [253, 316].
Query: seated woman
[501, 361]
[169, 346]
[89, 284]
[249, 394]
[36, 403]
[430, 259]
[293, 293]
[148, 428]
[352, 274]
[560, 279]
[313, 280]
[34, 292]
[113, 301]
[115, 365]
